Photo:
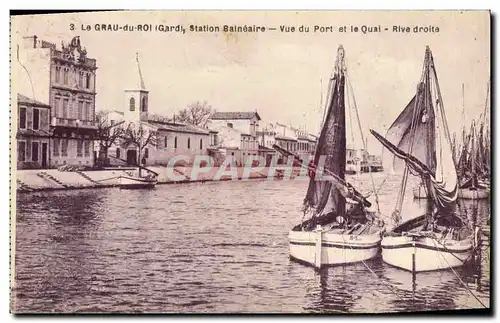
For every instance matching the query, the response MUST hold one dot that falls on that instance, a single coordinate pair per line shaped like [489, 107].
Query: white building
[171, 139]
[245, 122]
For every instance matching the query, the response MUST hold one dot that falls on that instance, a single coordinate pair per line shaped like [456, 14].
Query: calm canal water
[212, 247]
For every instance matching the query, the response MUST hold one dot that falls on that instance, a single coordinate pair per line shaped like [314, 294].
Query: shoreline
[45, 180]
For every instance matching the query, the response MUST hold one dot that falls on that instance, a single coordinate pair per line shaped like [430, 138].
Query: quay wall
[52, 179]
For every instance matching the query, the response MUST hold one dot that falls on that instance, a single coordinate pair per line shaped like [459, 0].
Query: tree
[196, 113]
[108, 133]
[139, 136]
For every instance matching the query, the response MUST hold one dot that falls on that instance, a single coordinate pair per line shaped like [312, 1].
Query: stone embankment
[53, 179]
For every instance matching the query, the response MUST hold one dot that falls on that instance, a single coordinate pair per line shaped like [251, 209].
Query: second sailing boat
[340, 229]
[420, 137]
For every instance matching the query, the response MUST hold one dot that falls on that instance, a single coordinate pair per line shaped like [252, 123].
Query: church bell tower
[136, 99]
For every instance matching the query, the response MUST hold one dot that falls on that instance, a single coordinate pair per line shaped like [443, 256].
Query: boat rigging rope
[462, 282]
[350, 124]
[402, 190]
[362, 139]
[374, 274]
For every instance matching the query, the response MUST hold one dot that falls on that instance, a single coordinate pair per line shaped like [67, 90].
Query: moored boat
[473, 162]
[129, 180]
[419, 248]
[340, 229]
[420, 138]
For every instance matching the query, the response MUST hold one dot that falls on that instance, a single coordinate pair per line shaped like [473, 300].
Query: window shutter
[30, 119]
[28, 150]
[44, 119]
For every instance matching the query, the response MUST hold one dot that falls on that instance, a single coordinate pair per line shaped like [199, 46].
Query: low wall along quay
[53, 179]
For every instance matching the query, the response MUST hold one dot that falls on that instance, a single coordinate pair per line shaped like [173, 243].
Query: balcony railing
[75, 123]
[88, 61]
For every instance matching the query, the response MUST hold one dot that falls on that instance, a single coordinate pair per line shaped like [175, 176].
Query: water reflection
[208, 248]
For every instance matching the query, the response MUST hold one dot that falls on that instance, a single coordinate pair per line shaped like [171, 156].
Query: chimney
[174, 117]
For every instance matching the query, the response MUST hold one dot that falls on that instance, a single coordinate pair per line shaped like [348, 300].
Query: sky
[282, 75]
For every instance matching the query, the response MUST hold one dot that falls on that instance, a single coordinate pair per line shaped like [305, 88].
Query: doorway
[132, 157]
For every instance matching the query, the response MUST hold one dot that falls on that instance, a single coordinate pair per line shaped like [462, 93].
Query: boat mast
[424, 78]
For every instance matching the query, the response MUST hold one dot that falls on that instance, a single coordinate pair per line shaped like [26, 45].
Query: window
[86, 148]
[57, 107]
[132, 104]
[21, 151]
[112, 122]
[117, 152]
[80, 79]
[65, 108]
[64, 148]
[34, 151]
[229, 124]
[22, 118]
[58, 74]
[79, 148]
[175, 142]
[36, 119]
[87, 81]
[166, 141]
[144, 104]
[80, 110]
[88, 111]
[65, 76]
[201, 143]
[56, 147]
[146, 153]
[189, 143]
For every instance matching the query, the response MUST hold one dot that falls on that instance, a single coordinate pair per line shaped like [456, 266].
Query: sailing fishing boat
[470, 187]
[474, 169]
[340, 229]
[420, 138]
[472, 161]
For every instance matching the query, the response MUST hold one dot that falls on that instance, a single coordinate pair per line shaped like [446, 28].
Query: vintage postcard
[251, 162]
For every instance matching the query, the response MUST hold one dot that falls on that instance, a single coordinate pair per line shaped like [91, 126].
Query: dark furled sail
[325, 197]
[420, 138]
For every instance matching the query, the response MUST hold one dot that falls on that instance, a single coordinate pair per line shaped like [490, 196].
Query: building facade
[170, 139]
[33, 133]
[245, 122]
[63, 79]
[240, 135]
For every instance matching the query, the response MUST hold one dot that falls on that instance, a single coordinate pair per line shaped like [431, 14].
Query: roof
[264, 148]
[235, 115]
[179, 127]
[23, 99]
[285, 138]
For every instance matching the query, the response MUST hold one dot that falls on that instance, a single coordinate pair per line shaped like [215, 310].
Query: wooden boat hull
[477, 194]
[430, 254]
[129, 182]
[336, 249]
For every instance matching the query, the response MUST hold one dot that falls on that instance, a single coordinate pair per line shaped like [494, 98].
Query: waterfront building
[64, 80]
[244, 122]
[171, 138]
[33, 133]
[240, 136]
